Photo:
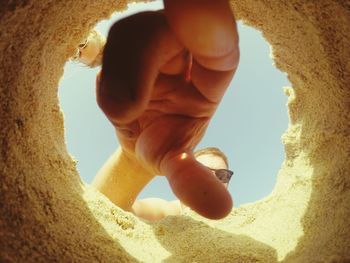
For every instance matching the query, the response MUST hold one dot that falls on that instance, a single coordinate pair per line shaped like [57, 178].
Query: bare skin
[154, 209]
[121, 180]
[163, 76]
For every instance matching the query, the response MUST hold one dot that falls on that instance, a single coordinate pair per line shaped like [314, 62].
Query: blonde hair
[213, 151]
[100, 40]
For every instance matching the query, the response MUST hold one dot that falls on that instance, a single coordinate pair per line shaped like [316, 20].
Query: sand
[48, 214]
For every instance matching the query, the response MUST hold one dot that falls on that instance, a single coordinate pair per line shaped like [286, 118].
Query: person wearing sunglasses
[89, 52]
[216, 161]
[153, 209]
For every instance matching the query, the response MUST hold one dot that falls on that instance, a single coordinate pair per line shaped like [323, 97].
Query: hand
[163, 76]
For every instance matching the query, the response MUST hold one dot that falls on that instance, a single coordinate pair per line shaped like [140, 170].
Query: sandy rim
[47, 214]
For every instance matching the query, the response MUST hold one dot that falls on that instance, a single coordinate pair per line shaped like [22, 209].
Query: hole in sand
[247, 126]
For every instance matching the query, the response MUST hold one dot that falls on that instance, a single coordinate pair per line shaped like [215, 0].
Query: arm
[121, 179]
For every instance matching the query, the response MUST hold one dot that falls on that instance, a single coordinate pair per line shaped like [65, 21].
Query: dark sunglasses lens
[223, 175]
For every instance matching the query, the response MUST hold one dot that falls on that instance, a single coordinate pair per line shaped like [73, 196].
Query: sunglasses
[224, 175]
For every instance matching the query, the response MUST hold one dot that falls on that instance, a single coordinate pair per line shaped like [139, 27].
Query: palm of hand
[173, 122]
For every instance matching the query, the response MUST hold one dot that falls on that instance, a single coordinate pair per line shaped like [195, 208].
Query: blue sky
[247, 126]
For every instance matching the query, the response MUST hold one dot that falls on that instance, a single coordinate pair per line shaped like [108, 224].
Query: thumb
[196, 186]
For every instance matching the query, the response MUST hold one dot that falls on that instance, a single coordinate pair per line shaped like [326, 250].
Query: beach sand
[47, 214]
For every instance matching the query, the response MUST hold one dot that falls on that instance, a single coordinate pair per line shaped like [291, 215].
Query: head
[216, 160]
[90, 51]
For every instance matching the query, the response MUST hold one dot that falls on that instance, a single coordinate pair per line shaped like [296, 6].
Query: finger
[176, 65]
[196, 187]
[134, 52]
[208, 29]
[163, 143]
[163, 134]
[210, 83]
